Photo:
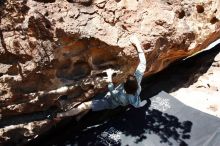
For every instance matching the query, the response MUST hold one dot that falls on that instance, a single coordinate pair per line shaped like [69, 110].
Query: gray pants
[103, 101]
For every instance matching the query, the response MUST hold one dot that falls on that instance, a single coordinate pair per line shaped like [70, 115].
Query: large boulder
[53, 47]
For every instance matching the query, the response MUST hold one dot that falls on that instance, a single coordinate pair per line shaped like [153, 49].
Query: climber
[124, 94]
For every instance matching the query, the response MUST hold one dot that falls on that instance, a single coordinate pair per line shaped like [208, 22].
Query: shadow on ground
[136, 125]
[104, 128]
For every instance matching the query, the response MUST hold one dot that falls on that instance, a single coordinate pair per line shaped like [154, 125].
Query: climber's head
[131, 85]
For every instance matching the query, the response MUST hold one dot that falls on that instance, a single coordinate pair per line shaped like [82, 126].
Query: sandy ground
[204, 94]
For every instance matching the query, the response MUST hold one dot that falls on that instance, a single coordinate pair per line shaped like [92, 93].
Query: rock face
[53, 47]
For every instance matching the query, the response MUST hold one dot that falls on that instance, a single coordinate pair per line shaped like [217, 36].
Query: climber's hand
[134, 40]
[107, 79]
[109, 73]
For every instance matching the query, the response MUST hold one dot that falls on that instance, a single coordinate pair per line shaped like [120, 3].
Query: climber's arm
[111, 87]
[142, 65]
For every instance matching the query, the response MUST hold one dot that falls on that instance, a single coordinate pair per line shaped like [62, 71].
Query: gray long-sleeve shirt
[118, 96]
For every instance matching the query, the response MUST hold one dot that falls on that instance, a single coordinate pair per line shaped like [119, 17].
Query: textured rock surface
[47, 45]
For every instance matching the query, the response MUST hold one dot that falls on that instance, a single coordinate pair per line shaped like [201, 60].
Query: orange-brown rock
[51, 45]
